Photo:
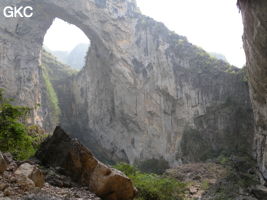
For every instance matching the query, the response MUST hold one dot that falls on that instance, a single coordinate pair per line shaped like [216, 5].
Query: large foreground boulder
[78, 162]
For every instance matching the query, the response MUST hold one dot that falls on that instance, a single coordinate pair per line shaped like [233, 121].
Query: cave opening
[67, 43]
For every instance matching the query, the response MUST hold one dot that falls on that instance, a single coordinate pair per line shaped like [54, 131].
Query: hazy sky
[214, 25]
[62, 36]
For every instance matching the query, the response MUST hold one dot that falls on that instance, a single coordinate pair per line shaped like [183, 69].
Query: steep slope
[218, 56]
[62, 56]
[57, 71]
[75, 58]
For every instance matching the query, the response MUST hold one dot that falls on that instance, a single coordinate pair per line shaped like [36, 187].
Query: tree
[13, 133]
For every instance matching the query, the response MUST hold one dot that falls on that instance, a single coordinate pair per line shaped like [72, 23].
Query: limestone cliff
[255, 43]
[164, 98]
[145, 91]
[53, 73]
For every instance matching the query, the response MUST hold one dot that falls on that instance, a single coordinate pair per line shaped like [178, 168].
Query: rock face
[144, 93]
[77, 161]
[162, 97]
[255, 43]
[52, 72]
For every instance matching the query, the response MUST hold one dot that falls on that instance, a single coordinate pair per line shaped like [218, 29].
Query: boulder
[3, 164]
[79, 163]
[28, 174]
[8, 157]
[3, 186]
[260, 192]
[25, 183]
[12, 165]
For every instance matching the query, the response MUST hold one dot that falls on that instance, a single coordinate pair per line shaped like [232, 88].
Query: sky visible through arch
[214, 25]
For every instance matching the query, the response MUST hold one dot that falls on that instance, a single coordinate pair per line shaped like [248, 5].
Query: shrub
[155, 166]
[151, 186]
[38, 135]
[14, 137]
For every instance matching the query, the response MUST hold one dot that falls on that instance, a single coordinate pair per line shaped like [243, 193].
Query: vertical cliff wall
[145, 91]
[161, 97]
[254, 15]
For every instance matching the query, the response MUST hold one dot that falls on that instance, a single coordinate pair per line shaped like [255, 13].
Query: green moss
[204, 185]
[52, 95]
[223, 160]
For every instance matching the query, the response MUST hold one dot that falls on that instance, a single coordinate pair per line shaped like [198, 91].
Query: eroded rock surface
[162, 98]
[78, 162]
[255, 43]
[29, 173]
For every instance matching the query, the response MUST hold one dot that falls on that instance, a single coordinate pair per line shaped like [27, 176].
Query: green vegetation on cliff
[53, 73]
[52, 95]
[15, 137]
[151, 186]
[55, 69]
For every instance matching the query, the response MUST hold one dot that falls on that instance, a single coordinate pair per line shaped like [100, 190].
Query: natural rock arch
[145, 90]
[22, 39]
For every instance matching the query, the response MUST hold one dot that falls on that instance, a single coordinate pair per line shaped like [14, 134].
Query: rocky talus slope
[145, 91]
[255, 43]
[62, 169]
[218, 180]
[27, 181]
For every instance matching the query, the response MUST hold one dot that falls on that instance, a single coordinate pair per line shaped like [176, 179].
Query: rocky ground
[205, 181]
[71, 171]
[199, 176]
[228, 179]
[30, 181]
